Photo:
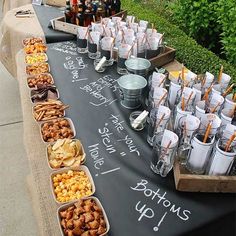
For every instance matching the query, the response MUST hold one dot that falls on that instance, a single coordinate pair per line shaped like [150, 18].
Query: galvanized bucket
[138, 66]
[131, 88]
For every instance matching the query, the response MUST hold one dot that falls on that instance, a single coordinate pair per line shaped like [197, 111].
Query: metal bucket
[131, 88]
[138, 66]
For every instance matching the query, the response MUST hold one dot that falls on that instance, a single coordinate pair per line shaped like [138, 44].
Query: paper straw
[220, 74]
[234, 97]
[162, 117]
[205, 97]
[148, 43]
[228, 90]
[229, 142]
[94, 19]
[182, 103]
[182, 72]
[203, 81]
[214, 109]
[161, 39]
[163, 96]
[207, 132]
[152, 27]
[89, 35]
[162, 82]
[190, 96]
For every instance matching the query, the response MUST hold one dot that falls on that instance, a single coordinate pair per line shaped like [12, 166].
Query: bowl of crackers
[65, 153]
[37, 68]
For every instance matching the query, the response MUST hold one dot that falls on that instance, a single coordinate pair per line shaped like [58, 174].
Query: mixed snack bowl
[40, 80]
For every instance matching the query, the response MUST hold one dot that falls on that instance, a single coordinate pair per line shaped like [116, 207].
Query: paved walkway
[16, 216]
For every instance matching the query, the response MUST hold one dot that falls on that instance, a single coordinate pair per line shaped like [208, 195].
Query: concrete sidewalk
[16, 217]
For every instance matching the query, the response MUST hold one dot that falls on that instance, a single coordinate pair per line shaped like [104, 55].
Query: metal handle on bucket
[121, 94]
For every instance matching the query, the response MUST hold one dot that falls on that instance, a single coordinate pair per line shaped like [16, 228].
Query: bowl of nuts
[31, 41]
[71, 184]
[37, 68]
[35, 48]
[40, 80]
[56, 129]
[65, 153]
[85, 217]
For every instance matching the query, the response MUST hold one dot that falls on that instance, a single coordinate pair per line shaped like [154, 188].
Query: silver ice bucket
[138, 66]
[131, 88]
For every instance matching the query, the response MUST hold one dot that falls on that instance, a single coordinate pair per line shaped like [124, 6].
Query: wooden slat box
[61, 25]
[57, 3]
[164, 58]
[187, 182]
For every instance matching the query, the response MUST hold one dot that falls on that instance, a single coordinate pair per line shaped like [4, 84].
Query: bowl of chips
[70, 184]
[37, 68]
[31, 41]
[83, 217]
[65, 153]
[35, 48]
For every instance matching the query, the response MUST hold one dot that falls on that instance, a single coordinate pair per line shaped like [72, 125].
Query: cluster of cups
[178, 125]
[118, 40]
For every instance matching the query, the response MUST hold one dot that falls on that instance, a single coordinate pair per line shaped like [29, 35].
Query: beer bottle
[67, 12]
[74, 10]
[80, 15]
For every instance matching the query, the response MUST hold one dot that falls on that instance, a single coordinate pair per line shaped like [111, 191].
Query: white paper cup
[221, 162]
[199, 109]
[225, 81]
[209, 80]
[229, 104]
[225, 118]
[199, 155]
[173, 91]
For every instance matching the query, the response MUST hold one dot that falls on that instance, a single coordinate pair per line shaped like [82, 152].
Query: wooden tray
[61, 25]
[58, 3]
[187, 182]
[164, 58]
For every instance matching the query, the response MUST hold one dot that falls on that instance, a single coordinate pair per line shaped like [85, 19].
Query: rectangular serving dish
[82, 168]
[30, 94]
[66, 206]
[30, 38]
[31, 76]
[187, 182]
[48, 66]
[39, 122]
[46, 57]
[53, 120]
[51, 144]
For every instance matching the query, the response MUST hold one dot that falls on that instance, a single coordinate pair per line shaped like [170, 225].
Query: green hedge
[194, 56]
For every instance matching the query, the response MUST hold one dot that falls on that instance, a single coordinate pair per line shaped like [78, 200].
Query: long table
[137, 201]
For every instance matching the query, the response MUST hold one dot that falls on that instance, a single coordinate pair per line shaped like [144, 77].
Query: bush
[211, 22]
[227, 19]
[194, 56]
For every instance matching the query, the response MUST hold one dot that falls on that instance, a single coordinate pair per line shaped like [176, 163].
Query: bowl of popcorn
[65, 153]
[85, 217]
[71, 184]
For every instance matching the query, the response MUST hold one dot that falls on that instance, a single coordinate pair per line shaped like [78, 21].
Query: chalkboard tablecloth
[137, 201]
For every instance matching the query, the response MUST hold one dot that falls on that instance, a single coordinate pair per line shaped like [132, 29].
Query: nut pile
[49, 110]
[35, 48]
[83, 218]
[56, 129]
[35, 58]
[38, 80]
[65, 153]
[32, 41]
[71, 185]
[37, 68]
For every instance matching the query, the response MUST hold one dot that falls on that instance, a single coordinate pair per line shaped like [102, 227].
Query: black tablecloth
[45, 14]
[137, 201]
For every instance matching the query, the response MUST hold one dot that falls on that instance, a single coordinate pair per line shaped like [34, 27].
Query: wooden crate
[61, 25]
[187, 182]
[57, 3]
[164, 58]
